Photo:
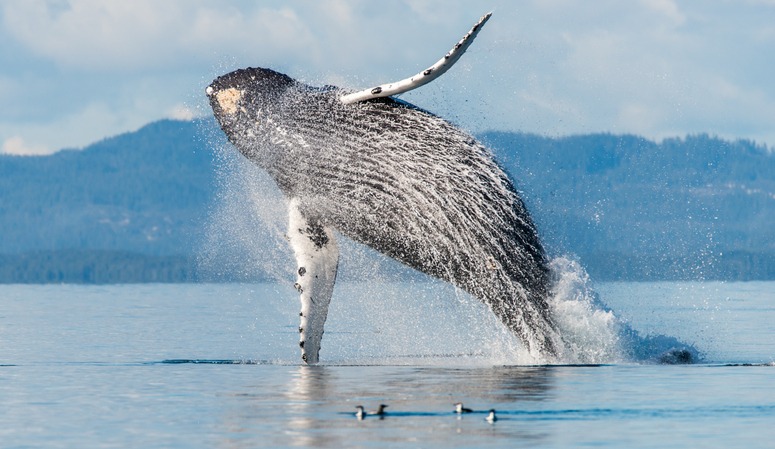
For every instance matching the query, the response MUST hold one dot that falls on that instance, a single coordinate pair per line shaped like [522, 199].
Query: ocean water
[205, 366]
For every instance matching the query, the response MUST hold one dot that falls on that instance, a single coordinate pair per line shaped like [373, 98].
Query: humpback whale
[396, 178]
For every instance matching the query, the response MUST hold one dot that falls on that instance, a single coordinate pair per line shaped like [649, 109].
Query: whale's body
[396, 178]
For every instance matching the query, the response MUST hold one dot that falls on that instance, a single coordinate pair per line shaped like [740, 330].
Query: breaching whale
[397, 178]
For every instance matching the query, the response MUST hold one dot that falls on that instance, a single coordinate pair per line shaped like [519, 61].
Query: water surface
[217, 366]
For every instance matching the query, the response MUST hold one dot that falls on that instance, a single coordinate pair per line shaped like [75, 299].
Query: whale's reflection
[308, 391]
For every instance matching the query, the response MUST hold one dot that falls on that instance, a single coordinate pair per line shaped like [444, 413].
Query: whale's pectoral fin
[317, 257]
[424, 77]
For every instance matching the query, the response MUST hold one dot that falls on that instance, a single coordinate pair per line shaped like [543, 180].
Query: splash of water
[384, 313]
[244, 238]
[592, 333]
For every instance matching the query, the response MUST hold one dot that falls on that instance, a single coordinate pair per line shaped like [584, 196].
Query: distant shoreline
[122, 267]
[139, 207]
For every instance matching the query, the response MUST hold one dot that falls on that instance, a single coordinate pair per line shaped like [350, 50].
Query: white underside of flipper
[424, 77]
[317, 258]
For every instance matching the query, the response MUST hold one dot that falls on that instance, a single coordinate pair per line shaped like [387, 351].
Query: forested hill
[134, 207]
[629, 208]
[128, 208]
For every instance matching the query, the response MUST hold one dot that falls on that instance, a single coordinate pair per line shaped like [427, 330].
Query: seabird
[379, 412]
[359, 412]
[491, 417]
[460, 409]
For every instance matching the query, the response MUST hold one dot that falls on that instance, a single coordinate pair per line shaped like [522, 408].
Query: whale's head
[237, 93]
[248, 102]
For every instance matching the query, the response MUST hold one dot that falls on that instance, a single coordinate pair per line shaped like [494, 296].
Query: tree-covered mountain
[135, 207]
[118, 206]
[630, 208]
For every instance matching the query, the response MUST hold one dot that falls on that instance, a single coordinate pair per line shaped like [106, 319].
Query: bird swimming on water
[360, 413]
[460, 409]
[491, 418]
[379, 412]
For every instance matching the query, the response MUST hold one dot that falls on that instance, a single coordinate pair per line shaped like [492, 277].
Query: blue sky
[75, 71]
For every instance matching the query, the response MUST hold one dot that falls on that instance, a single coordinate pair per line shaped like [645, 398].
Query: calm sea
[206, 366]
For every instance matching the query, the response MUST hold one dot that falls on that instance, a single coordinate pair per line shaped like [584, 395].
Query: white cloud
[181, 112]
[548, 66]
[667, 8]
[142, 34]
[770, 3]
[86, 33]
[17, 146]
[76, 129]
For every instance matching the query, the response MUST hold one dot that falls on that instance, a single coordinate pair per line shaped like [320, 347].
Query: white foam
[590, 332]
[593, 334]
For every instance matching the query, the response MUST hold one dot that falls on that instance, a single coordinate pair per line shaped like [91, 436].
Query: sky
[73, 72]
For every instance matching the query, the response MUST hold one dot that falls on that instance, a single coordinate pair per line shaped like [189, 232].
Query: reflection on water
[315, 405]
[509, 384]
[307, 391]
